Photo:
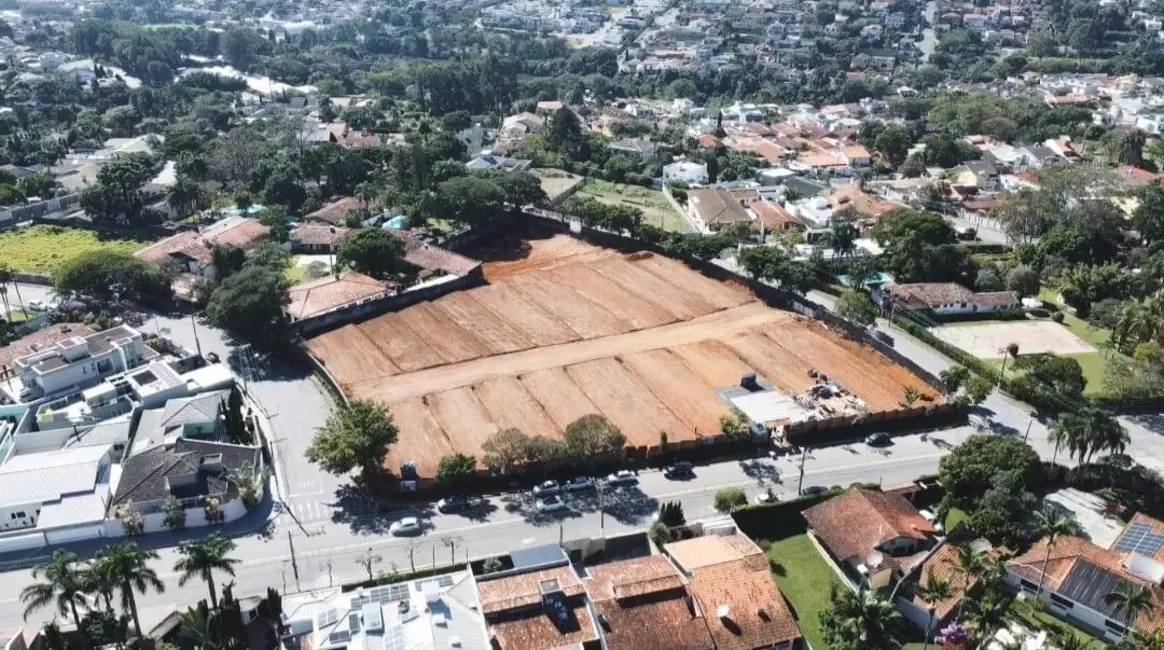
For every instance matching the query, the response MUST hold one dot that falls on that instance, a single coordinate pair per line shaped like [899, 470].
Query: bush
[728, 499]
[659, 534]
[1057, 317]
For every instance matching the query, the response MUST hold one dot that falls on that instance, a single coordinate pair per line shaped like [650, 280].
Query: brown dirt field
[719, 324]
[719, 294]
[772, 361]
[495, 333]
[714, 362]
[679, 389]
[421, 438]
[452, 342]
[351, 355]
[650, 287]
[625, 401]
[840, 366]
[636, 312]
[580, 314]
[559, 396]
[510, 405]
[512, 258]
[462, 417]
[527, 317]
[406, 349]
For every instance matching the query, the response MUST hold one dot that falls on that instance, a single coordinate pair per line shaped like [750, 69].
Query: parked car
[814, 489]
[765, 497]
[622, 477]
[547, 487]
[213, 357]
[579, 484]
[682, 469]
[37, 305]
[879, 439]
[406, 526]
[458, 503]
[550, 503]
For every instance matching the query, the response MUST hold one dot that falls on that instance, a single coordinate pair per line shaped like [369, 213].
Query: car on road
[546, 487]
[37, 305]
[813, 489]
[213, 357]
[622, 477]
[550, 503]
[579, 484]
[682, 469]
[406, 526]
[458, 503]
[765, 497]
[879, 439]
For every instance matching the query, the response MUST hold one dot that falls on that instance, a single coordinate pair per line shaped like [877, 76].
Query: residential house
[55, 496]
[81, 361]
[534, 609]
[438, 612]
[732, 587]
[334, 213]
[946, 299]
[317, 238]
[941, 564]
[490, 162]
[716, 208]
[641, 147]
[196, 417]
[877, 537]
[191, 471]
[773, 217]
[318, 297]
[685, 171]
[1079, 575]
[193, 251]
[516, 127]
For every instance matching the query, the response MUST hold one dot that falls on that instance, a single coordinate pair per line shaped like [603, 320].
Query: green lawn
[43, 248]
[804, 579]
[953, 518]
[295, 273]
[1093, 364]
[657, 210]
[1042, 620]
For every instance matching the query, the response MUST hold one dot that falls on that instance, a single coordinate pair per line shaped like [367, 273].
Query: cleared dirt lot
[565, 329]
[989, 340]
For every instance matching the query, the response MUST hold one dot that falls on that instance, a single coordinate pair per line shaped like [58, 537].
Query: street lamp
[1031, 422]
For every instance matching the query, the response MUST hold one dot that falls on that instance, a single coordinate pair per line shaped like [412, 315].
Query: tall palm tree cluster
[1140, 321]
[106, 587]
[1088, 431]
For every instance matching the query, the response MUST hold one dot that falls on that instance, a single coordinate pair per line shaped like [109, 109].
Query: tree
[130, 565]
[730, 498]
[671, 514]
[860, 621]
[100, 274]
[505, 450]
[174, 513]
[186, 195]
[1125, 146]
[659, 534]
[910, 397]
[63, 586]
[1049, 380]
[250, 304]
[773, 265]
[1148, 218]
[736, 427]
[564, 132]
[977, 389]
[456, 469]
[932, 590]
[988, 280]
[842, 234]
[234, 422]
[1023, 280]
[920, 247]
[594, 439]
[7, 277]
[973, 467]
[227, 260]
[373, 251]
[1052, 525]
[856, 307]
[202, 558]
[894, 143]
[968, 567]
[356, 436]
[1088, 431]
[368, 561]
[953, 378]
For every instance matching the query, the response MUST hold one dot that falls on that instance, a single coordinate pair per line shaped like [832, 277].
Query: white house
[1080, 575]
[55, 496]
[685, 171]
[946, 299]
[80, 362]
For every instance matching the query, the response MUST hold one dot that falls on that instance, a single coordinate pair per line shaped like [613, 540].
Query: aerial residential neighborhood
[543, 324]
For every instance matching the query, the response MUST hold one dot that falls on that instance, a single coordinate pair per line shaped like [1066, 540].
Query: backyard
[43, 248]
[657, 210]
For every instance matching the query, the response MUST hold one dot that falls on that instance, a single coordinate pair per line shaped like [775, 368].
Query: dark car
[679, 470]
[879, 439]
[814, 489]
[457, 503]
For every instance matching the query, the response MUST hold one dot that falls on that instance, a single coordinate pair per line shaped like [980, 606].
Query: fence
[314, 325]
[39, 210]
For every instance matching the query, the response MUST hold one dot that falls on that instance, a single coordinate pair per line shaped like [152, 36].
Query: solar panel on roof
[445, 581]
[394, 638]
[1139, 538]
[398, 592]
[326, 619]
[354, 622]
[360, 602]
[343, 636]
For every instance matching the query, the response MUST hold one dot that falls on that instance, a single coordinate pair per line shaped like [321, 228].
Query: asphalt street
[317, 528]
[20, 294]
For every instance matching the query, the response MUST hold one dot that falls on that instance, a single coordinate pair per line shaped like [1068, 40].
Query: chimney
[211, 464]
[723, 612]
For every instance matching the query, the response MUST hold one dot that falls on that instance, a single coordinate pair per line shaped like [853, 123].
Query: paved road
[929, 40]
[20, 294]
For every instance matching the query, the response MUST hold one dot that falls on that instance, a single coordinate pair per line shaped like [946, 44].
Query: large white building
[80, 362]
[686, 171]
[55, 496]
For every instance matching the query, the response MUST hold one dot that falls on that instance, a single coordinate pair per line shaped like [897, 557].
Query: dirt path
[716, 325]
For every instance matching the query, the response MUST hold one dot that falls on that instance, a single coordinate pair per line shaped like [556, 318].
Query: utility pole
[327, 565]
[294, 564]
[197, 343]
[800, 485]
[1028, 432]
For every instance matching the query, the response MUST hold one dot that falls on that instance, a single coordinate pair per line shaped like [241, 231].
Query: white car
[406, 526]
[765, 497]
[37, 305]
[622, 477]
[550, 503]
[546, 487]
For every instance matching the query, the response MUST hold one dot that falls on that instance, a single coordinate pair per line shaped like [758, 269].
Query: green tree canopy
[357, 435]
[980, 462]
[100, 274]
[251, 304]
[375, 252]
[594, 439]
[856, 307]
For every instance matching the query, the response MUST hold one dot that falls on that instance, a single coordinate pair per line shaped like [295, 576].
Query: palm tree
[129, 566]
[199, 626]
[185, 195]
[967, 565]
[1132, 600]
[988, 613]
[100, 579]
[935, 589]
[7, 277]
[201, 559]
[1088, 431]
[64, 585]
[1052, 525]
[1012, 351]
[861, 620]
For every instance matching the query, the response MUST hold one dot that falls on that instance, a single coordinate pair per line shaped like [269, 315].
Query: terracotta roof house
[434, 259]
[41, 340]
[773, 216]
[538, 609]
[643, 603]
[940, 565]
[716, 208]
[317, 238]
[877, 535]
[731, 585]
[333, 213]
[1079, 576]
[311, 299]
[194, 251]
[947, 298]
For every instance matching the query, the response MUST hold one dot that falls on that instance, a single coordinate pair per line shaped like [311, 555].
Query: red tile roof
[434, 258]
[325, 294]
[941, 565]
[318, 234]
[540, 631]
[335, 211]
[855, 523]
[773, 215]
[642, 604]
[1138, 175]
[524, 590]
[243, 233]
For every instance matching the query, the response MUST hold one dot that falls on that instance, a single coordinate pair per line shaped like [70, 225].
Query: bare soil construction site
[564, 329]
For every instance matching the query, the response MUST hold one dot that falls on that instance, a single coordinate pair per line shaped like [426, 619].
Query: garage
[74, 533]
